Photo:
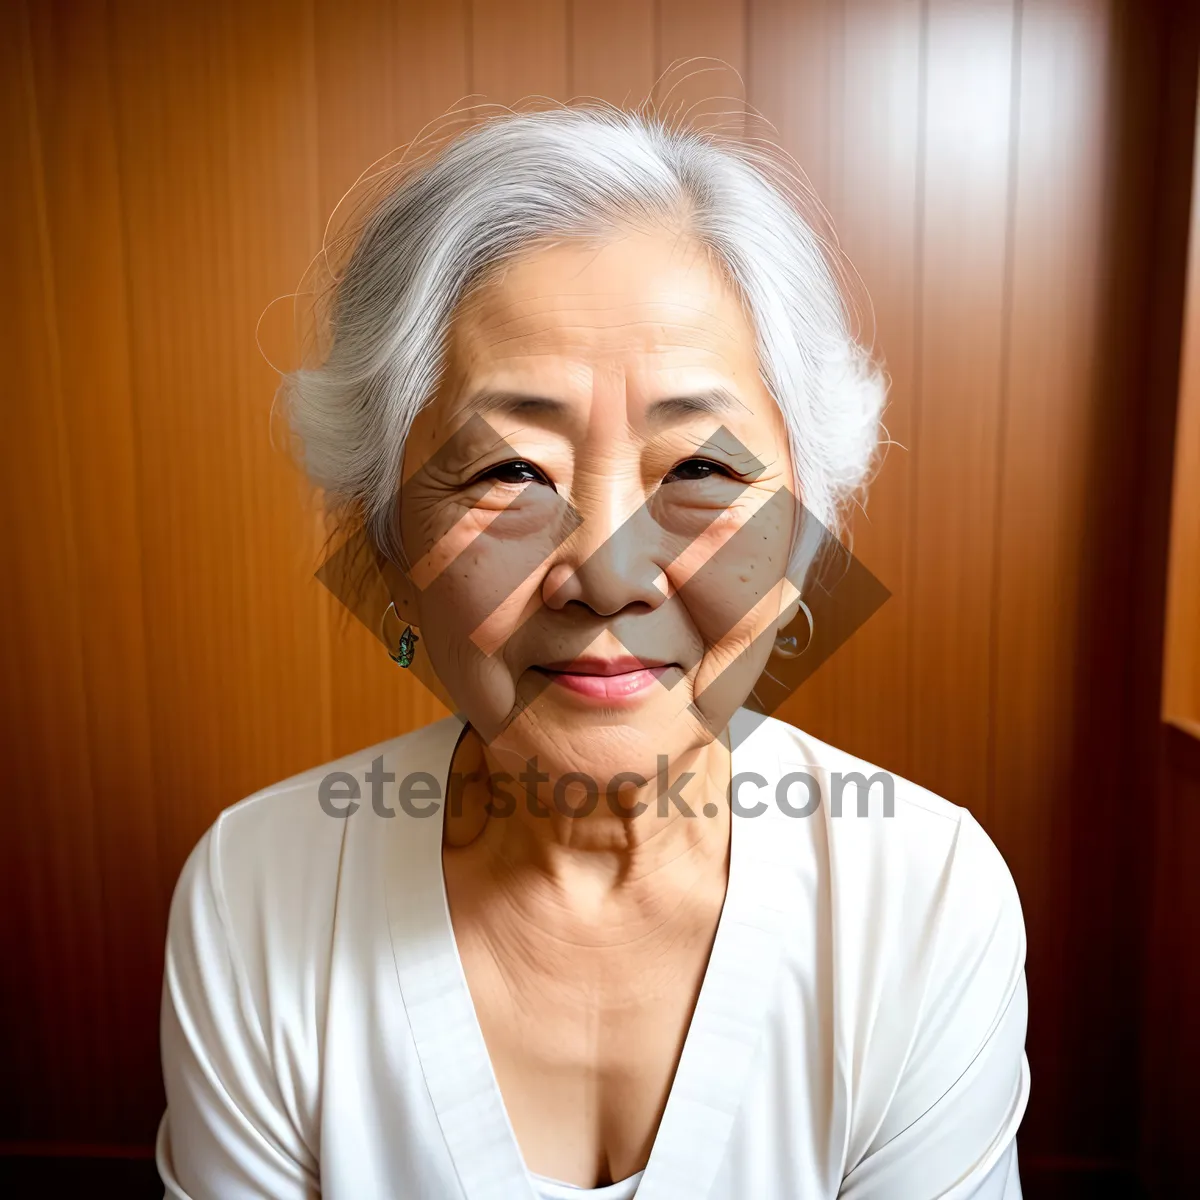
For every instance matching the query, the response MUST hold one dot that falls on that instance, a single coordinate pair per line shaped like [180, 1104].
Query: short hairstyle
[520, 179]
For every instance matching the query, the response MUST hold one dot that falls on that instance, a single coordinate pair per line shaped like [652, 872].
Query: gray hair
[522, 179]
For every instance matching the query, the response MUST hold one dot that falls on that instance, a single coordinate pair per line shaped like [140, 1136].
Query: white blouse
[859, 1031]
[553, 1189]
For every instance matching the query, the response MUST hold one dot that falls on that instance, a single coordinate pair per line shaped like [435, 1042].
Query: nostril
[560, 586]
[633, 608]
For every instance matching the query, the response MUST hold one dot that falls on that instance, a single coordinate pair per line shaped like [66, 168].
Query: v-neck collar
[719, 1048]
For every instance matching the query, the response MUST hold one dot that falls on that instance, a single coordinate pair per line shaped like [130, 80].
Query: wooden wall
[1168, 750]
[992, 167]
[1181, 656]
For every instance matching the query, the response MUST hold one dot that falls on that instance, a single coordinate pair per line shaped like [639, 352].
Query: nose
[610, 564]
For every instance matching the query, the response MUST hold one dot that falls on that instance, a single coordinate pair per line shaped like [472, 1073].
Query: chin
[601, 740]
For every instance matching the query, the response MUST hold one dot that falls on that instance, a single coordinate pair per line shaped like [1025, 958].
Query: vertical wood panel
[963, 269]
[798, 58]
[86, 234]
[519, 49]
[267, 123]
[1165, 764]
[56, 936]
[711, 94]
[1171, 1087]
[1181, 662]
[218, 186]
[842, 84]
[367, 108]
[613, 50]
[1057, 411]
[875, 192]
[170, 70]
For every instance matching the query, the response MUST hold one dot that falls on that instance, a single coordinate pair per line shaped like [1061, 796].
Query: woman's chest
[437, 1050]
[584, 1041]
[417, 1101]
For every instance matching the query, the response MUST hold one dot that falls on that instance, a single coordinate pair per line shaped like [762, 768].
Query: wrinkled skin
[601, 435]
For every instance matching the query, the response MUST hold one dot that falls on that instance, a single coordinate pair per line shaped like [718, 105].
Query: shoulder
[890, 839]
[919, 902]
[926, 934]
[261, 886]
[252, 943]
[289, 827]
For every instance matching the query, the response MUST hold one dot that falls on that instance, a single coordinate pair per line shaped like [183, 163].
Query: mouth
[605, 678]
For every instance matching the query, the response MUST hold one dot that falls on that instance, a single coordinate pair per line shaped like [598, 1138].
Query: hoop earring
[406, 648]
[787, 645]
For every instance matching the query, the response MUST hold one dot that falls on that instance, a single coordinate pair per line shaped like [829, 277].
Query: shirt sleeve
[950, 1128]
[227, 1133]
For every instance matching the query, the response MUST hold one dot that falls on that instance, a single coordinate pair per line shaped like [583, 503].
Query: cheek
[734, 596]
[448, 614]
[473, 558]
[475, 584]
[729, 579]
[482, 590]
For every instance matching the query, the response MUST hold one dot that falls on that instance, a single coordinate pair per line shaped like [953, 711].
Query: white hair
[522, 179]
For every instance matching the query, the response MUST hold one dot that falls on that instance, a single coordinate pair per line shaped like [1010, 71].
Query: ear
[401, 590]
[791, 609]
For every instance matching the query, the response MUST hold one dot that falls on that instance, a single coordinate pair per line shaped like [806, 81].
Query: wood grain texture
[368, 112]
[1168, 760]
[84, 224]
[519, 50]
[1181, 655]
[989, 169]
[968, 118]
[843, 86]
[55, 1034]
[799, 61]
[879, 151]
[1051, 644]
[170, 72]
[1171, 1079]
[702, 63]
[613, 51]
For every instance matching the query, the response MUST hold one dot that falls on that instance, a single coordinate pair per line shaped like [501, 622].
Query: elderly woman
[606, 932]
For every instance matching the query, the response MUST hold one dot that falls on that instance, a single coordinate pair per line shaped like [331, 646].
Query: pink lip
[605, 679]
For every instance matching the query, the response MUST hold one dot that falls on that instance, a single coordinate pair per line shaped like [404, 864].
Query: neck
[669, 825]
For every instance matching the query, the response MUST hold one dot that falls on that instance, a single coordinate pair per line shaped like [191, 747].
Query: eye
[516, 471]
[695, 468]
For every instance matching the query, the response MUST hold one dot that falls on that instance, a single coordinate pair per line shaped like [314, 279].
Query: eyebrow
[711, 402]
[714, 402]
[517, 403]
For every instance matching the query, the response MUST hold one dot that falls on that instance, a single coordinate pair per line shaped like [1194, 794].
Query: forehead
[637, 300]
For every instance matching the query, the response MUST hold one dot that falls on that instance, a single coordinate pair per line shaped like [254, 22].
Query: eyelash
[712, 468]
[536, 475]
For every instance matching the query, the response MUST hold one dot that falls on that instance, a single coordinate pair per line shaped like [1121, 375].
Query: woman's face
[596, 508]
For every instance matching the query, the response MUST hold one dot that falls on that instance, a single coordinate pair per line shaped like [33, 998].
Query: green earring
[407, 649]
